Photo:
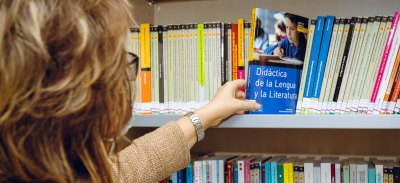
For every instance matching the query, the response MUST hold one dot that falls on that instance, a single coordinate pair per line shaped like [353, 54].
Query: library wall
[177, 12]
[142, 12]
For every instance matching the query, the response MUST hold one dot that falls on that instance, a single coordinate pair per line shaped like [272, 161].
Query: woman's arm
[166, 150]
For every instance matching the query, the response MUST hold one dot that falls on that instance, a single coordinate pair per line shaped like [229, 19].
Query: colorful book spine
[388, 67]
[328, 68]
[241, 49]
[200, 63]
[234, 51]
[384, 59]
[322, 57]
[145, 70]
[312, 65]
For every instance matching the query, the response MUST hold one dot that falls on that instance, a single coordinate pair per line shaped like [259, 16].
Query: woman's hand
[227, 101]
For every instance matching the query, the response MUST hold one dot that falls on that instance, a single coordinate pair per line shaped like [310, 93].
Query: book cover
[274, 72]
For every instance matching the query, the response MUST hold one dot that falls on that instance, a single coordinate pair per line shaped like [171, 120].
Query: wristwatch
[197, 125]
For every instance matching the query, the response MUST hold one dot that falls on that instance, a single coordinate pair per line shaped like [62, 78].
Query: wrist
[198, 126]
[206, 115]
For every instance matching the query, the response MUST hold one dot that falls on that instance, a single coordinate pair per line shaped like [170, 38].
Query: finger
[236, 84]
[240, 95]
[247, 105]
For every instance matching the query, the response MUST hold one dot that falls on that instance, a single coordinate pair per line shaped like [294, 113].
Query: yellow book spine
[288, 173]
[252, 34]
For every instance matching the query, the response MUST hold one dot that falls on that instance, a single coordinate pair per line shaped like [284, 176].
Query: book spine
[200, 63]
[234, 51]
[308, 172]
[331, 102]
[145, 70]
[328, 69]
[365, 63]
[343, 63]
[359, 28]
[387, 64]
[241, 48]
[385, 57]
[373, 69]
[322, 58]
[299, 105]
[391, 87]
[268, 179]
[355, 61]
[312, 65]
[288, 172]
[252, 33]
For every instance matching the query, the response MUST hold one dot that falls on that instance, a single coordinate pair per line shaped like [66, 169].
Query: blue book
[274, 173]
[235, 173]
[189, 173]
[180, 176]
[267, 172]
[274, 72]
[323, 55]
[175, 177]
[371, 174]
[312, 65]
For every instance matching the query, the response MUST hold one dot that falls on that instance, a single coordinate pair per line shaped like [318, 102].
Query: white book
[328, 67]
[317, 172]
[378, 170]
[362, 171]
[198, 171]
[370, 105]
[326, 102]
[349, 64]
[331, 103]
[353, 170]
[388, 70]
[338, 175]
[309, 170]
[375, 61]
[363, 38]
[326, 170]
[305, 67]
[364, 65]
[241, 169]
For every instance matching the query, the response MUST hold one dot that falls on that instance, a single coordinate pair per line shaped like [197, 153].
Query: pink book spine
[247, 178]
[385, 56]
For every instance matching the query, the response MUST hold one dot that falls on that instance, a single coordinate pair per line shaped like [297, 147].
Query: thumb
[242, 105]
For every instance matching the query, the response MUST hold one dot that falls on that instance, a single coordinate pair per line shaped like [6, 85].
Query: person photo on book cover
[261, 41]
[65, 98]
[294, 44]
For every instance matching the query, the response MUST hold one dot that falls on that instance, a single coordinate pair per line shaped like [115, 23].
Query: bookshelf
[360, 135]
[288, 121]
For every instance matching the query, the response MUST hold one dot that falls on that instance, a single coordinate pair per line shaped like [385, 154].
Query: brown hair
[63, 88]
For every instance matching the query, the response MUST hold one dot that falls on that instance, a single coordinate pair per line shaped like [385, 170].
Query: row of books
[351, 66]
[182, 66]
[281, 169]
[337, 65]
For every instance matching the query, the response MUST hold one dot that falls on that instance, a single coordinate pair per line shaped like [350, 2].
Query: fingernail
[258, 106]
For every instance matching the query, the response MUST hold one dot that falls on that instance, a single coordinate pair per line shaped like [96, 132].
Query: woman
[293, 45]
[64, 98]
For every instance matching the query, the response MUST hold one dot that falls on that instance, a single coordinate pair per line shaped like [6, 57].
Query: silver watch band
[197, 125]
